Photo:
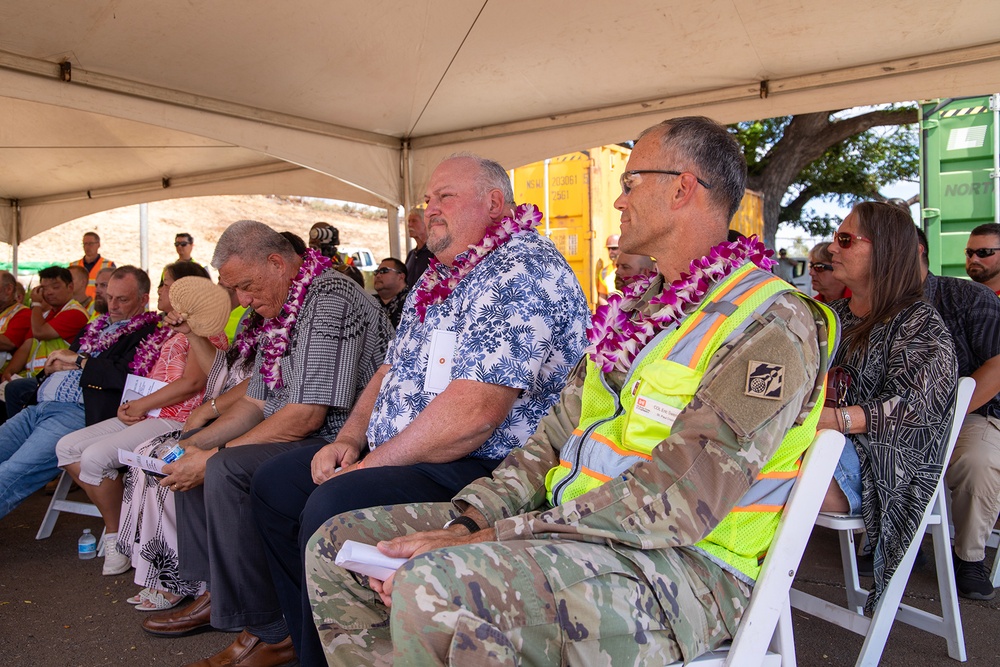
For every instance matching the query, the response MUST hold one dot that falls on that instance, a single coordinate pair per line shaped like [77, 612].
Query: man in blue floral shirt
[485, 344]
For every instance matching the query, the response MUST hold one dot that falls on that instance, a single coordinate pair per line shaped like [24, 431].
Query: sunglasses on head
[981, 253]
[845, 240]
[819, 267]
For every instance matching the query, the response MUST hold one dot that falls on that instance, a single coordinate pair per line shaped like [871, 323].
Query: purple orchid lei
[92, 342]
[618, 331]
[148, 351]
[439, 281]
[273, 335]
[246, 339]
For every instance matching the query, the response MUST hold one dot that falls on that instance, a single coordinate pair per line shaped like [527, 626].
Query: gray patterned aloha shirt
[519, 318]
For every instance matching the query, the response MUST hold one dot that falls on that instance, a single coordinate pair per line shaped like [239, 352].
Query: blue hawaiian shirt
[519, 318]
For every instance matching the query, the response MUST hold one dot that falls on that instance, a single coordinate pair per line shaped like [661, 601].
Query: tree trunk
[805, 139]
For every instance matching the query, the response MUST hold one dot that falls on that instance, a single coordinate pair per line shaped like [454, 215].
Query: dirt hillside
[205, 218]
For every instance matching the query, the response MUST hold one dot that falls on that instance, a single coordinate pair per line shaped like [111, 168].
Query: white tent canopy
[104, 104]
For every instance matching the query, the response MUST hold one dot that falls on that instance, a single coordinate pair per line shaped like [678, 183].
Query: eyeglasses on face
[181, 244]
[845, 240]
[632, 178]
[381, 271]
[981, 253]
[820, 267]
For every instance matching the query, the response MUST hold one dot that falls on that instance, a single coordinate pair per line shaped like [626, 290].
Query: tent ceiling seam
[750, 90]
[86, 78]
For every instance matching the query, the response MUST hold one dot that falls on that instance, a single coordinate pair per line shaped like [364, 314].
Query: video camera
[325, 239]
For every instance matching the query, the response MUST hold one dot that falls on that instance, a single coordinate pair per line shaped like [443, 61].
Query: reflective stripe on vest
[41, 349]
[619, 430]
[92, 276]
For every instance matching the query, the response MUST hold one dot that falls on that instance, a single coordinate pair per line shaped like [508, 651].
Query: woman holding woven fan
[90, 455]
[893, 379]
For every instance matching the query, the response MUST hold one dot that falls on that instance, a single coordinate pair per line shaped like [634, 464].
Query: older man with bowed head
[485, 343]
[625, 531]
[420, 256]
[82, 386]
[92, 261]
[15, 318]
[321, 343]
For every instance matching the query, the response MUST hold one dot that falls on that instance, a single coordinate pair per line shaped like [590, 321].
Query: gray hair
[491, 176]
[711, 152]
[7, 279]
[140, 276]
[251, 241]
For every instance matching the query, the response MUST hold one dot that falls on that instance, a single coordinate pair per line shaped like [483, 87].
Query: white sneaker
[115, 562]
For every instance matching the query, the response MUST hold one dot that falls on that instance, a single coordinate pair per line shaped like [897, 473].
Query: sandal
[155, 601]
[139, 597]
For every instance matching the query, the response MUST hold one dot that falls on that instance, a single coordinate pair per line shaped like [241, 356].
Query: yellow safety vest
[41, 349]
[99, 266]
[620, 430]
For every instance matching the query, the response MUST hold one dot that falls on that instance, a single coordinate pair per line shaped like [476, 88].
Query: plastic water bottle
[169, 451]
[87, 546]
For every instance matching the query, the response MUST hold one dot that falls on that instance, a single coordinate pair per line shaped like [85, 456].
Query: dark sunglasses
[819, 267]
[981, 253]
[181, 244]
[845, 240]
[384, 270]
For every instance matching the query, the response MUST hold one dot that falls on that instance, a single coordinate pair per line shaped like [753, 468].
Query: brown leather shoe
[193, 618]
[249, 651]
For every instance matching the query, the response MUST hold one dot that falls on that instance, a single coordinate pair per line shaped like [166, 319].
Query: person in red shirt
[15, 318]
[54, 311]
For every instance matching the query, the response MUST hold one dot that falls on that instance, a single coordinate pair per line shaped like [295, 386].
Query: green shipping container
[959, 170]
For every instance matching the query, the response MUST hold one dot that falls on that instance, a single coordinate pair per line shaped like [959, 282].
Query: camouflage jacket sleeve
[717, 446]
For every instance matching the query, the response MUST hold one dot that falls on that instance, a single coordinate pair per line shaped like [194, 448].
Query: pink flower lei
[439, 280]
[273, 335]
[148, 351]
[92, 342]
[618, 331]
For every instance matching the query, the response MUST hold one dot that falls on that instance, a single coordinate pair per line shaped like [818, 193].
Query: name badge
[658, 412]
[439, 361]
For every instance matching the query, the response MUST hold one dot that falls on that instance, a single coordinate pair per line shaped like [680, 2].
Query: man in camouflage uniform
[622, 573]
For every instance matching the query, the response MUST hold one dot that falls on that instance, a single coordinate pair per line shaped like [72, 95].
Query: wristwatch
[80, 358]
[472, 526]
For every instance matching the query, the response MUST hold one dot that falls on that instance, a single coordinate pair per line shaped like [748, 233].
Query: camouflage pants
[536, 602]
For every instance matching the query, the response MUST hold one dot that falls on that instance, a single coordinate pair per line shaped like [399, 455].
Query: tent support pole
[16, 234]
[393, 212]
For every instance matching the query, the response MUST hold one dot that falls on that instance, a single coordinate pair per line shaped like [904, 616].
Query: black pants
[288, 508]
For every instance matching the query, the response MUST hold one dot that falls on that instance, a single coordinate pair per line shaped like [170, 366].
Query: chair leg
[52, 514]
[856, 596]
[951, 617]
[783, 640]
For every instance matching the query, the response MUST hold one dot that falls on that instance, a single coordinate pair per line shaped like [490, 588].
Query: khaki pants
[973, 477]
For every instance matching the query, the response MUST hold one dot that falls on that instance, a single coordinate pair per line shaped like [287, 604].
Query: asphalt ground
[57, 610]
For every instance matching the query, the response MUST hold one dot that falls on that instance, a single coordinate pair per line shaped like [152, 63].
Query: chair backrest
[962, 398]
[770, 593]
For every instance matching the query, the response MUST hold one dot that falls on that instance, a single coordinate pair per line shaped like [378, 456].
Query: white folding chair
[767, 622]
[889, 608]
[60, 504]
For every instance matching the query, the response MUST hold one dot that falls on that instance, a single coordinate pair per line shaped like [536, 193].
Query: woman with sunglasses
[895, 378]
[826, 287]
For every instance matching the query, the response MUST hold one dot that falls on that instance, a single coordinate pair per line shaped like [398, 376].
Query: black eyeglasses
[181, 244]
[845, 240]
[981, 253]
[819, 267]
[628, 180]
[384, 270]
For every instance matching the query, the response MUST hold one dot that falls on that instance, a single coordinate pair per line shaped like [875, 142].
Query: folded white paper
[367, 560]
[148, 463]
[136, 387]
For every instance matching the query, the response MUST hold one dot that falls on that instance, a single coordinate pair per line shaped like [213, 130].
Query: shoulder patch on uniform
[765, 380]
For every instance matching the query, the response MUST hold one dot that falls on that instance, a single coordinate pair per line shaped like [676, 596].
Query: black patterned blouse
[906, 383]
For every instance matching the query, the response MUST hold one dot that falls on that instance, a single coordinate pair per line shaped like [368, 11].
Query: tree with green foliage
[829, 155]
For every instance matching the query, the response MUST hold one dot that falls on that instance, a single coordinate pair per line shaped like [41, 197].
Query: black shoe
[866, 563]
[973, 580]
